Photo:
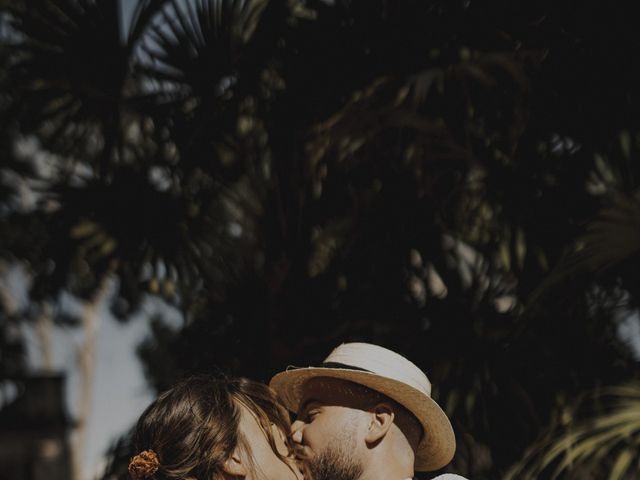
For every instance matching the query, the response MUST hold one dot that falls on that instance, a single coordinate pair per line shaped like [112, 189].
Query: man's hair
[193, 427]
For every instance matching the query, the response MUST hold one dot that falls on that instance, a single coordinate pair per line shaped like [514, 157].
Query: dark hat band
[343, 366]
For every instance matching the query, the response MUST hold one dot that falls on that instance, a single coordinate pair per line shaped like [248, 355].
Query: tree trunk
[86, 362]
[43, 331]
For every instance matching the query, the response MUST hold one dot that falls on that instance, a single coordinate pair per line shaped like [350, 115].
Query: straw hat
[390, 374]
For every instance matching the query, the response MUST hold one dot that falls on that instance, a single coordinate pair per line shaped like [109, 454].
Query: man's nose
[296, 431]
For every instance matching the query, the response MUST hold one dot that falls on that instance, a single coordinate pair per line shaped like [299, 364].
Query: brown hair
[193, 427]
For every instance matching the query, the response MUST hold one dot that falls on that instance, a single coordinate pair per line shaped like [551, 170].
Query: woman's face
[266, 463]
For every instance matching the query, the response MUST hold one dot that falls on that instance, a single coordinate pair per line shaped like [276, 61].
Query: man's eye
[312, 414]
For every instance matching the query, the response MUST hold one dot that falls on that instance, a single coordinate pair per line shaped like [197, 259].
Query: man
[365, 414]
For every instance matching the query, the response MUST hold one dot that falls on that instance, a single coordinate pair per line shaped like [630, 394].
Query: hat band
[343, 366]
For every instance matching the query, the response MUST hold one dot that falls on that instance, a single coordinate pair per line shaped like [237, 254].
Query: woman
[208, 428]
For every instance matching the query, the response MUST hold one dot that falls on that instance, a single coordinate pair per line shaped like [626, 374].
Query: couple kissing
[365, 413]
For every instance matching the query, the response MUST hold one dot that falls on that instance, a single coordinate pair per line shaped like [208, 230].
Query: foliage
[581, 444]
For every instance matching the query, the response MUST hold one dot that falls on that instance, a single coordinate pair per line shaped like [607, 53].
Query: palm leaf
[608, 439]
[609, 241]
[153, 240]
[197, 70]
[67, 74]
[424, 109]
[197, 50]
[143, 14]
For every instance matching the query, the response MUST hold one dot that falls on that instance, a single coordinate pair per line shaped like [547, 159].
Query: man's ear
[234, 466]
[382, 416]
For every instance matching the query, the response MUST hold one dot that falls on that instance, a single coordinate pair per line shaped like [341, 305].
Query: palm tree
[421, 174]
[110, 202]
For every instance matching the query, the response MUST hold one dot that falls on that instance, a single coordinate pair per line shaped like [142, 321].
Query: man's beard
[334, 464]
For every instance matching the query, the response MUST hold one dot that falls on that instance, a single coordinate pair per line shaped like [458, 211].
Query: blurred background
[241, 185]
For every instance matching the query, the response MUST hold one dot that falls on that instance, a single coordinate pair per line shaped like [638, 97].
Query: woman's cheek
[280, 440]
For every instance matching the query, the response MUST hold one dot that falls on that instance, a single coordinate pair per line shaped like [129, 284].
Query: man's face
[329, 432]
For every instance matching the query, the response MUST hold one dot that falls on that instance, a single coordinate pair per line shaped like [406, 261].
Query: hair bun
[143, 465]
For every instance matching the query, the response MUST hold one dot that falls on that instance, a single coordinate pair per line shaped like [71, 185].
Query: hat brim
[438, 444]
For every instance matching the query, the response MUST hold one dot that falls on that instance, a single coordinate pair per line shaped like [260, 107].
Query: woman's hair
[191, 430]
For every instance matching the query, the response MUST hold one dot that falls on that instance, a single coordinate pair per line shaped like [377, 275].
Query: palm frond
[441, 113]
[606, 441]
[195, 48]
[199, 80]
[153, 240]
[143, 14]
[66, 72]
[609, 240]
